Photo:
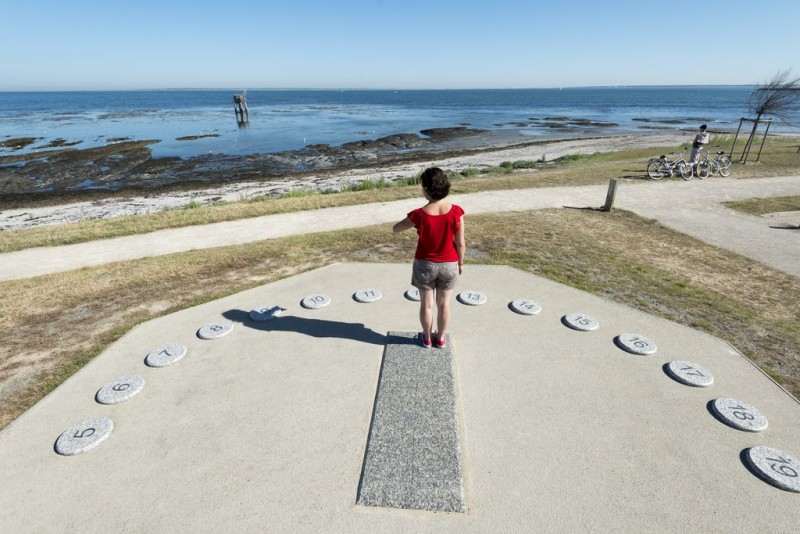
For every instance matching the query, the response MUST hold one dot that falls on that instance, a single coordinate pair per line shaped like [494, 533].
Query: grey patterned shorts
[432, 275]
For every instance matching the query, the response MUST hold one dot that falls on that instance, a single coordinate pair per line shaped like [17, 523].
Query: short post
[733, 148]
[612, 193]
[769, 123]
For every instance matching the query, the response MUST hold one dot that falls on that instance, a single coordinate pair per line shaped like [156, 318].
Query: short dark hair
[703, 126]
[436, 183]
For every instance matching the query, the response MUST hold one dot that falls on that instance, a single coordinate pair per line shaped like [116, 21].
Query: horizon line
[631, 86]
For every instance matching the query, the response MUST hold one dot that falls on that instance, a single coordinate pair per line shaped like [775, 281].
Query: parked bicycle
[658, 168]
[708, 166]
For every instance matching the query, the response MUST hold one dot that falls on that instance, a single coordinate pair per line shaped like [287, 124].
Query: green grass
[762, 206]
[292, 193]
[779, 158]
[368, 185]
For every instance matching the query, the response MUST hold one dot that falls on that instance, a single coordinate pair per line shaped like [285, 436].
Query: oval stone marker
[215, 330]
[120, 390]
[165, 355]
[314, 302]
[580, 321]
[636, 344]
[367, 295]
[267, 312]
[775, 466]
[690, 374]
[472, 298]
[84, 436]
[739, 415]
[525, 307]
[413, 294]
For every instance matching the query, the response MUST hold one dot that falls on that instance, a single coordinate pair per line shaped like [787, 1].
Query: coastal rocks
[445, 134]
[18, 143]
[67, 169]
[129, 164]
[399, 141]
[58, 143]
[563, 124]
[195, 137]
[567, 122]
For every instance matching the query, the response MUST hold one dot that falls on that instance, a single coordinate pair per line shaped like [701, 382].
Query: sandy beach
[31, 211]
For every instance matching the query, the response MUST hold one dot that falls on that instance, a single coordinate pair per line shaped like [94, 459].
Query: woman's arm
[405, 224]
[461, 244]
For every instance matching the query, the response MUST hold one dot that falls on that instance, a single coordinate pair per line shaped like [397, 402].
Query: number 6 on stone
[120, 390]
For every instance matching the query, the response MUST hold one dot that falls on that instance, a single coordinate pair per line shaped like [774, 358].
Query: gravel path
[692, 207]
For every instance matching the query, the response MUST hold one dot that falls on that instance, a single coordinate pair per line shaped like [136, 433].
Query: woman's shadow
[311, 327]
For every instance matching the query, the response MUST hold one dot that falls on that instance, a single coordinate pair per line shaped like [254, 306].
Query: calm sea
[290, 119]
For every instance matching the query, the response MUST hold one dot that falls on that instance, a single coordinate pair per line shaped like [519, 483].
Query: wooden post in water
[240, 109]
[611, 195]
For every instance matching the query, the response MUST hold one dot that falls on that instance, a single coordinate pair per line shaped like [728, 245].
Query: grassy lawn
[656, 270]
[779, 159]
[762, 206]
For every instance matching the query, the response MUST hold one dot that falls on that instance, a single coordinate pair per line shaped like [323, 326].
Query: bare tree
[776, 98]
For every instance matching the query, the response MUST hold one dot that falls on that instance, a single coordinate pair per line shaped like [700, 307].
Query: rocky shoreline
[129, 164]
[122, 179]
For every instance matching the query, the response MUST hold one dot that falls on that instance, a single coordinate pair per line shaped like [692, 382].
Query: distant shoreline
[198, 122]
[239, 89]
[66, 172]
[231, 185]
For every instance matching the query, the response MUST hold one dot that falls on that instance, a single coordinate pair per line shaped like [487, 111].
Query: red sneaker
[426, 342]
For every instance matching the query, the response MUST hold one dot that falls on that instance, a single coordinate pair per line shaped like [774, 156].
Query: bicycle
[709, 165]
[658, 168]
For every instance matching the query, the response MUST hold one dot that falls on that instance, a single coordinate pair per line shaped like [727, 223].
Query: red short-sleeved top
[436, 234]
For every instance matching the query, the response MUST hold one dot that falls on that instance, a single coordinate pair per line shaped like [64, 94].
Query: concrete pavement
[266, 429]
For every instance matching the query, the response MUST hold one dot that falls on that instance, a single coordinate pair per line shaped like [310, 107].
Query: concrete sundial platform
[547, 411]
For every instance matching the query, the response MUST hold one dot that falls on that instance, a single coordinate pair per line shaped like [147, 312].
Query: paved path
[692, 207]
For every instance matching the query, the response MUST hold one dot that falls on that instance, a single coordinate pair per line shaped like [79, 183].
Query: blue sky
[397, 44]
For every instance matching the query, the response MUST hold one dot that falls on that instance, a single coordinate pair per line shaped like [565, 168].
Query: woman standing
[439, 258]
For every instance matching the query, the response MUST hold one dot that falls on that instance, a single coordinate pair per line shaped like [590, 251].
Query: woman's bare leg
[443, 311]
[426, 311]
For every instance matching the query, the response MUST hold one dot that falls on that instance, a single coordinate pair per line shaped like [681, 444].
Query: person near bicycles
[700, 139]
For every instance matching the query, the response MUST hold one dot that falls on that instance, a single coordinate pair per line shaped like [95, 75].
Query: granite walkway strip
[413, 456]
[692, 207]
